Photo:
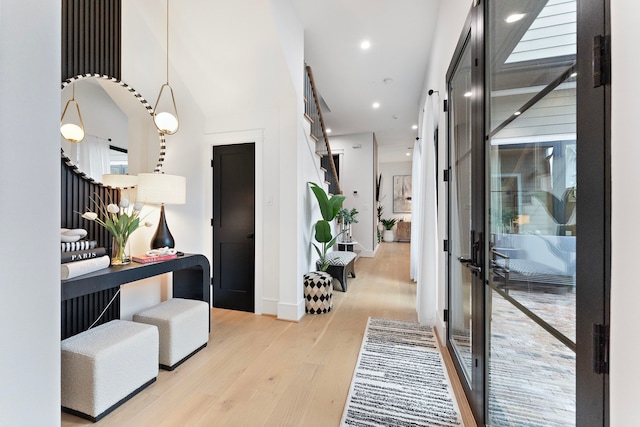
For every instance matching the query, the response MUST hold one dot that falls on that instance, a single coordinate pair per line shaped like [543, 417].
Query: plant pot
[388, 236]
[318, 292]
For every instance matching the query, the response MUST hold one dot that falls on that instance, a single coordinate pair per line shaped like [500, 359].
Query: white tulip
[124, 203]
[91, 216]
[112, 208]
[138, 206]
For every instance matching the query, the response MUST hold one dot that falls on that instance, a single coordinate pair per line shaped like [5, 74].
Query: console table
[84, 297]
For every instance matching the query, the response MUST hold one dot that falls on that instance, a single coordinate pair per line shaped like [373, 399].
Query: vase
[318, 292]
[388, 236]
[119, 251]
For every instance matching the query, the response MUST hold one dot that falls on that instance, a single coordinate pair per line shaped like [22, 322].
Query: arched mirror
[120, 137]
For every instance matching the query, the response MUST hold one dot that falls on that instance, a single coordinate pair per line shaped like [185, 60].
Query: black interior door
[234, 226]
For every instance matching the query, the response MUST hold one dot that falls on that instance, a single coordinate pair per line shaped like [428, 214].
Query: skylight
[551, 34]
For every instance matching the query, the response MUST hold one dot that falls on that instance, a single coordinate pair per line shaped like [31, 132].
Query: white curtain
[93, 156]
[416, 210]
[426, 234]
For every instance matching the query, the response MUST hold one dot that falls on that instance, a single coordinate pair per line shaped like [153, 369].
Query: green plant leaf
[323, 200]
[323, 231]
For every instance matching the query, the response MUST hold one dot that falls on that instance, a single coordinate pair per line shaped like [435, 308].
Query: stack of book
[82, 257]
[145, 259]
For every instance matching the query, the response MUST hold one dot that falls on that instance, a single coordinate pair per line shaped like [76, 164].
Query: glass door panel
[532, 153]
[460, 213]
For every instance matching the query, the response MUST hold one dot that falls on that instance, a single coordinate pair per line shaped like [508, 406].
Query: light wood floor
[260, 371]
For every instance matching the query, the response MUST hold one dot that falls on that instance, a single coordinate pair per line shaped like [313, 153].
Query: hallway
[259, 371]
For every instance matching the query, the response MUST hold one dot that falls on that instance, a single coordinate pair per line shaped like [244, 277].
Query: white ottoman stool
[183, 325]
[105, 366]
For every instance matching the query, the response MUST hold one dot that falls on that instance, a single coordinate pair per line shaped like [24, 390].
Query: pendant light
[71, 125]
[165, 113]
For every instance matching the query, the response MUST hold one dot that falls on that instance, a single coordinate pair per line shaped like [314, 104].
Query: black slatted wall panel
[91, 37]
[77, 314]
[77, 190]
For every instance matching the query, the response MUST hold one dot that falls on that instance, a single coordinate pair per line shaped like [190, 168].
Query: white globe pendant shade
[166, 123]
[72, 132]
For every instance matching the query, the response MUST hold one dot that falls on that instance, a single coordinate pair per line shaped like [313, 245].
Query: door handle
[250, 236]
[474, 268]
[465, 260]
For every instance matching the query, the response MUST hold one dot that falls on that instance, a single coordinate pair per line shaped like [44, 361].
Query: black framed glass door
[528, 243]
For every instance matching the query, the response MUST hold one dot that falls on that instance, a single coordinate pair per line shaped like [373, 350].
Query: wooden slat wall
[77, 190]
[77, 314]
[91, 37]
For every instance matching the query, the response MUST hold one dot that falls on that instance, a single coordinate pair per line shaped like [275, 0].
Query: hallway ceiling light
[366, 44]
[376, 105]
[71, 125]
[414, 127]
[328, 130]
[468, 94]
[514, 18]
[165, 113]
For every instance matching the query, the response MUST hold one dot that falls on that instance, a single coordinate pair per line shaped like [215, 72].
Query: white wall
[451, 18]
[625, 155]
[357, 174]
[30, 214]
[388, 171]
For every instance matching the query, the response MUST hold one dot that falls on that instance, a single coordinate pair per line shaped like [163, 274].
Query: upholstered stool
[318, 292]
[105, 366]
[184, 328]
[341, 264]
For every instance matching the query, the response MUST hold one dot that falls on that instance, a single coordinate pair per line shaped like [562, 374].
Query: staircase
[313, 114]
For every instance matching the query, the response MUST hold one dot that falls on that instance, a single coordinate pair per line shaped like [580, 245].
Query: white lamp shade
[119, 181]
[162, 188]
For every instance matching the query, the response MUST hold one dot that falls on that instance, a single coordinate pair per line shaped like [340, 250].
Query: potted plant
[318, 285]
[388, 228]
[347, 217]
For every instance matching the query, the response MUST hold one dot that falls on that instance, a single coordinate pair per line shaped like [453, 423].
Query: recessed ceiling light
[365, 45]
[573, 75]
[514, 18]
[468, 94]
[328, 130]
[387, 80]
[376, 105]
[414, 127]
[408, 154]
[517, 113]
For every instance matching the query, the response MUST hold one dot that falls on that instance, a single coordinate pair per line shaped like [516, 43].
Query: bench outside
[341, 264]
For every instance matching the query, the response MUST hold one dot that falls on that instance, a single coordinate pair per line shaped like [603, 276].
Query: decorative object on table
[165, 112]
[329, 208]
[388, 228]
[402, 194]
[345, 218]
[156, 255]
[69, 236]
[162, 189]
[74, 269]
[318, 292]
[400, 376]
[80, 245]
[120, 220]
[81, 255]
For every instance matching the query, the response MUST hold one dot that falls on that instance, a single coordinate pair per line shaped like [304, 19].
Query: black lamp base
[163, 237]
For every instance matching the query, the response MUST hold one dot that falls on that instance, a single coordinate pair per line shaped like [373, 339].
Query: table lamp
[159, 188]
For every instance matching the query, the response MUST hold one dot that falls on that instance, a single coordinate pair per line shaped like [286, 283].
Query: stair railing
[313, 113]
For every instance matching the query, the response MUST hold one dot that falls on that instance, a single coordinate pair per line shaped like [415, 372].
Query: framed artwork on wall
[402, 194]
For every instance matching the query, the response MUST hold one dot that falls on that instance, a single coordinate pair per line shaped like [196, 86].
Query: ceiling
[391, 72]
[210, 41]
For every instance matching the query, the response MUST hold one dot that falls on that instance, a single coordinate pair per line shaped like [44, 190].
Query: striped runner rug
[400, 379]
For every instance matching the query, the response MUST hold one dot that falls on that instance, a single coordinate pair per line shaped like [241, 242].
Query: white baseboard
[292, 312]
[269, 306]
